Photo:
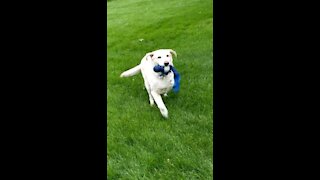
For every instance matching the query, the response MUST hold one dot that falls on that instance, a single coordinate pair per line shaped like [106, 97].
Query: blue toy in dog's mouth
[165, 70]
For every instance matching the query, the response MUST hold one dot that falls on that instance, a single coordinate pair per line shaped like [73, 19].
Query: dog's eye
[159, 57]
[167, 55]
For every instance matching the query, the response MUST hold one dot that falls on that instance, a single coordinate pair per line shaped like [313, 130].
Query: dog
[156, 83]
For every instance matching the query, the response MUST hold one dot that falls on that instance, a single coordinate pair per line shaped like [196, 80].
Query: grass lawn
[141, 144]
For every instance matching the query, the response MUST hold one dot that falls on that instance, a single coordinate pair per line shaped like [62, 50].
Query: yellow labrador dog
[156, 83]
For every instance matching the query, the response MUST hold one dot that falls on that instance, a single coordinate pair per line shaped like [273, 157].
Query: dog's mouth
[166, 64]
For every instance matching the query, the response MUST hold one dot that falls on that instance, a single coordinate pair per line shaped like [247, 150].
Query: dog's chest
[164, 84]
[160, 84]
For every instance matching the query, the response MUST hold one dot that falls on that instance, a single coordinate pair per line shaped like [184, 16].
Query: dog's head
[163, 57]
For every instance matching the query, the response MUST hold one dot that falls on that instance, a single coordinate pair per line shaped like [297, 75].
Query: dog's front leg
[157, 98]
[149, 93]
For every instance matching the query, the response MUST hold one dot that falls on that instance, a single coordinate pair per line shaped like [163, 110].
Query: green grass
[141, 144]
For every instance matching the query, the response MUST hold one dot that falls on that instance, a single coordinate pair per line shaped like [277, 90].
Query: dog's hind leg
[160, 104]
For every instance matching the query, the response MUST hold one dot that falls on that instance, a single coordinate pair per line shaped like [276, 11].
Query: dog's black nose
[166, 63]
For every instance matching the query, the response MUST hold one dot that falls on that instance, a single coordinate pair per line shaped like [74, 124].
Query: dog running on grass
[159, 76]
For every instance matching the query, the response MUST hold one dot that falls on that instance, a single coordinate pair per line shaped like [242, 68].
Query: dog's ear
[173, 52]
[149, 55]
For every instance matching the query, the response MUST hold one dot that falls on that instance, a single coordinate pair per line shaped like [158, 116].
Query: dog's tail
[131, 72]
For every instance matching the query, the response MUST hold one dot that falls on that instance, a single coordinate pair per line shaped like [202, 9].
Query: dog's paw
[151, 101]
[164, 113]
[165, 116]
[165, 95]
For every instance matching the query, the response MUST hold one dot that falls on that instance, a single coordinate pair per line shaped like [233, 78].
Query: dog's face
[163, 57]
